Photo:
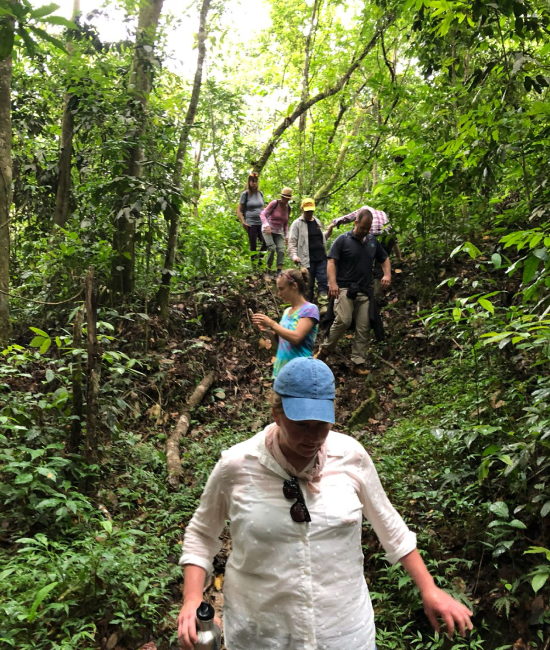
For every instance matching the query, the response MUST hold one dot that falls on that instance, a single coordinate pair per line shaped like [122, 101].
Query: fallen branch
[391, 365]
[173, 459]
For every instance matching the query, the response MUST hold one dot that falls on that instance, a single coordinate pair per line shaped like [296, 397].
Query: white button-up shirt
[288, 585]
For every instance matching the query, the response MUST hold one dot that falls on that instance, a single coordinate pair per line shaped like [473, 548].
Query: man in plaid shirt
[380, 221]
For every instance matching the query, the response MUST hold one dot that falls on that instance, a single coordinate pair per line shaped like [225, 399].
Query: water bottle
[210, 635]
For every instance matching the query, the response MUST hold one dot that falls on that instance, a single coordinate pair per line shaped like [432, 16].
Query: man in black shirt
[350, 282]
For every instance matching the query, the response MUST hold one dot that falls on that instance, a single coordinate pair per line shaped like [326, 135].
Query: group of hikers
[352, 276]
[295, 493]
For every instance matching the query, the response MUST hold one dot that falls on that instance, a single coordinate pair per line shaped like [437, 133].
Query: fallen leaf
[499, 404]
[204, 338]
[112, 641]
[265, 343]
[149, 646]
[398, 271]
[154, 411]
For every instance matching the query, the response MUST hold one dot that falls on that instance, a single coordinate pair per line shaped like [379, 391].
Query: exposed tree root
[366, 410]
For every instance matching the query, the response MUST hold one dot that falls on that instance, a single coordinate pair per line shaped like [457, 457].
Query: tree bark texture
[173, 460]
[75, 438]
[303, 106]
[139, 88]
[5, 195]
[62, 198]
[173, 208]
[93, 374]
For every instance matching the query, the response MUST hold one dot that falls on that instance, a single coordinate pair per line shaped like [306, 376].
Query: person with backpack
[381, 229]
[275, 227]
[307, 246]
[350, 283]
[249, 209]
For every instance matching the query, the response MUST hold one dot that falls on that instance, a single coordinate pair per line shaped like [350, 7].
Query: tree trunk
[5, 195]
[341, 155]
[75, 438]
[93, 432]
[173, 208]
[67, 130]
[303, 106]
[305, 90]
[139, 87]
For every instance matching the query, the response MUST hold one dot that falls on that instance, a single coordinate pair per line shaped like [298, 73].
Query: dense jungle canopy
[127, 132]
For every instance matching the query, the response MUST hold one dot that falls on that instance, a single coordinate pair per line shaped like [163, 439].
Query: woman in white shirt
[295, 495]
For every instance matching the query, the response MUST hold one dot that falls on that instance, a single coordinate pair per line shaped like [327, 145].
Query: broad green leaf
[107, 525]
[545, 509]
[500, 509]
[40, 332]
[37, 342]
[59, 20]
[486, 304]
[516, 523]
[48, 37]
[23, 479]
[457, 314]
[496, 259]
[538, 549]
[530, 267]
[39, 598]
[45, 345]
[44, 10]
[50, 376]
[30, 45]
[538, 581]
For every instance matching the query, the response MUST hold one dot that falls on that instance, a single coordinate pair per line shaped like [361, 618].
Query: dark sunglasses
[298, 510]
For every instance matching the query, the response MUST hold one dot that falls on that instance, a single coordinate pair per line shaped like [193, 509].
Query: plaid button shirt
[380, 222]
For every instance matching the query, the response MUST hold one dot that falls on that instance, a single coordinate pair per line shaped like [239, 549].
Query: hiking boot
[321, 354]
[360, 370]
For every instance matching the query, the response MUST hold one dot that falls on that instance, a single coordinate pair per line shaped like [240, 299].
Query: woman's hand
[244, 225]
[439, 604]
[263, 321]
[187, 624]
[267, 230]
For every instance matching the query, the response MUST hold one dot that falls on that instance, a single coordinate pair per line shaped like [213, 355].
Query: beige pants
[345, 311]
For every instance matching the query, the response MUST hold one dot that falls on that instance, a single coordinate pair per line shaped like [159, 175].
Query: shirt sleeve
[243, 200]
[263, 217]
[293, 241]
[336, 248]
[381, 255]
[346, 218]
[310, 311]
[394, 534]
[201, 541]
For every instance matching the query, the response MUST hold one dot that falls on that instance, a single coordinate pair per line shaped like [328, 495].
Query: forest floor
[428, 394]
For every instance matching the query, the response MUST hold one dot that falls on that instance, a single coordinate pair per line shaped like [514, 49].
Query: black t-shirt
[315, 241]
[354, 260]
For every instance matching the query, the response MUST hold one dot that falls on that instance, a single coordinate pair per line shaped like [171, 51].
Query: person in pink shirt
[275, 227]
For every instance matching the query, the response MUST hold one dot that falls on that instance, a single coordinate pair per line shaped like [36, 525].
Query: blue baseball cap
[306, 386]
